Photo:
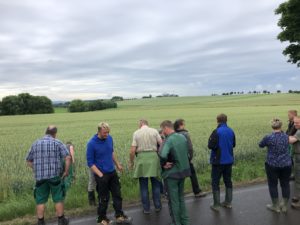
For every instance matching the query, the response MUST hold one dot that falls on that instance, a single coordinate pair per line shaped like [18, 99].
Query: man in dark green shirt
[175, 163]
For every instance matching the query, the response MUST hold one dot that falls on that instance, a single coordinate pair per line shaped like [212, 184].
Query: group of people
[165, 158]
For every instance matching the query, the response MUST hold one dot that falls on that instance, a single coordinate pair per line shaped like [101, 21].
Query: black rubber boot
[216, 205]
[228, 199]
[92, 199]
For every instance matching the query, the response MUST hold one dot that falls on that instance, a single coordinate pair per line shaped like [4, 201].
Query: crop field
[248, 115]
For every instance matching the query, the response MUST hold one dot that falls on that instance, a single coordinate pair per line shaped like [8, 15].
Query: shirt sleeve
[134, 142]
[158, 138]
[213, 141]
[190, 145]
[90, 158]
[63, 150]
[165, 152]
[264, 142]
[297, 135]
[29, 156]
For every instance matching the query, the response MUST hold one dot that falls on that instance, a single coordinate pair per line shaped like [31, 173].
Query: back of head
[51, 130]
[143, 122]
[293, 112]
[276, 124]
[167, 124]
[222, 118]
[178, 123]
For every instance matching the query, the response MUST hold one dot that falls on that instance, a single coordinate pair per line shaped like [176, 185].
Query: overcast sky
[98, 49]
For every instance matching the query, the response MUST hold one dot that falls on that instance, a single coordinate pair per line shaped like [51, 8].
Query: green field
[249, 116]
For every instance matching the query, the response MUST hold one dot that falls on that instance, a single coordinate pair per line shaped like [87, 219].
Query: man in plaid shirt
[45, 158]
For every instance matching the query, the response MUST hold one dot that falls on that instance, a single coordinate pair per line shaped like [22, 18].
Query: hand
[65, 174]
[168, 165]
[100, 175]
[131, 165]
[120, 168]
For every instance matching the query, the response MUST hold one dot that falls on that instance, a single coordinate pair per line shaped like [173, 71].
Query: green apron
[147, 164]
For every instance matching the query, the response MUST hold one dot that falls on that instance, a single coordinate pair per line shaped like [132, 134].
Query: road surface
[248, 209]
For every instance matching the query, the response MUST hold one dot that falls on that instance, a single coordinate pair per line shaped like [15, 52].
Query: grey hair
[144, 122]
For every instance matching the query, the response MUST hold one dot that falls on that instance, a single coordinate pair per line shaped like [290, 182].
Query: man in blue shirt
[102, 161]
[45, 158]
[221, 143]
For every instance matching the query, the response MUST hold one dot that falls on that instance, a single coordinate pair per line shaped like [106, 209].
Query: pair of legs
[91, 188]
[175, 189]
[42, 190]
[217, 172]
[282, 175]
[194, 180]
[156, 191]
[106, 185]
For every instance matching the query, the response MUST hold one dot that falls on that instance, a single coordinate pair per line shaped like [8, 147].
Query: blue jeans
[219, 171]
[144, 189]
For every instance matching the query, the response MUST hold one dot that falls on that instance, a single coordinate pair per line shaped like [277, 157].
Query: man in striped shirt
[45, 158]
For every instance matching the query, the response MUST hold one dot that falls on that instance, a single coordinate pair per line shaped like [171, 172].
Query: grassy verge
[244, 172]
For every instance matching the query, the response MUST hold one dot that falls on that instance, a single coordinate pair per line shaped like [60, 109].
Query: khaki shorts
[43, 188]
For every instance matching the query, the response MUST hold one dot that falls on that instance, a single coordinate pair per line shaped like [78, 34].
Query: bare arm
[117, 163]
[96, 171]
[132, 156]
[30, 164]
[67, 167]
[292, 139]
[72, 152]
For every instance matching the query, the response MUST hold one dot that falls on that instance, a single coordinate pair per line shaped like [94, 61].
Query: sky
[98, 49]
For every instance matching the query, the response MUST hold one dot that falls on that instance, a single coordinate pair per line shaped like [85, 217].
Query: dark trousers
[219, 171]
[144, 189]
[194, 180]
[107, 184]
[283, 175]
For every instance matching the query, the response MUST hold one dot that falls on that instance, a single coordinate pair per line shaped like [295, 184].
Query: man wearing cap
[45, 158]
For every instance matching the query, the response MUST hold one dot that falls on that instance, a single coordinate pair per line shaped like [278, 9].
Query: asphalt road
[248, 209]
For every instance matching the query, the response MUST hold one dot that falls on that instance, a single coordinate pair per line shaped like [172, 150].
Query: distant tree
[278, 91]
[117, 98]
[77, 105]
[290, 25]
[290, 91]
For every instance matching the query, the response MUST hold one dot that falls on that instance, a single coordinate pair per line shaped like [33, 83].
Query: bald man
[295, 140]
[45, 158]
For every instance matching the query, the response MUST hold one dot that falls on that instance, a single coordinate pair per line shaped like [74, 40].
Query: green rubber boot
[216, 205]
[228, 199]
[274, 207]
[284, 205]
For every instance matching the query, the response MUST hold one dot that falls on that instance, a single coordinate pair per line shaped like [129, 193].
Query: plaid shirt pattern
[47, 155]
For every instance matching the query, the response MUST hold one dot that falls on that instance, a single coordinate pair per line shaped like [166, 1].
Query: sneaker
[295, 199]
[296, 205]
[157, 210]
[63, 221]
[105, 221]
[201, 194]
[123, 220]
[146, 212]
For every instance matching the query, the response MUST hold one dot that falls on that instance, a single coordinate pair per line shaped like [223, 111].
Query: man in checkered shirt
[45, 158]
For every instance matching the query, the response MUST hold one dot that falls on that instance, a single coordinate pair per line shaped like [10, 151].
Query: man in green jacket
[175, 163]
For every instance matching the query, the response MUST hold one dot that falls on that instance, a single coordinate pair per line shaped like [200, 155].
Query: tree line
[25, 103]
[78, 105]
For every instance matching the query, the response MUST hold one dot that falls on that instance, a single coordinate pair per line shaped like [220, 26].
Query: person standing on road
[291, 132]
[45, 158]
[222, 143]
[179, 127]
[147, 165]
[278, 166]
[102, 161]
[176, 167]
[295, 140]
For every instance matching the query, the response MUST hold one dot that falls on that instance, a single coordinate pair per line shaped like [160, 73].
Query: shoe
[284, 205]
[105, 221]
[157, 210]
[91, 198]
[146, 212]
[201, 194]
[123, 220]
[295, 199]
[216, 205]
[296, 205]
[274, 207]
[41, 222]
[228, 199]
[63, 221]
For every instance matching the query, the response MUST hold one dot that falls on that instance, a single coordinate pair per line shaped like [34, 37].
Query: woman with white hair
[278, 165]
